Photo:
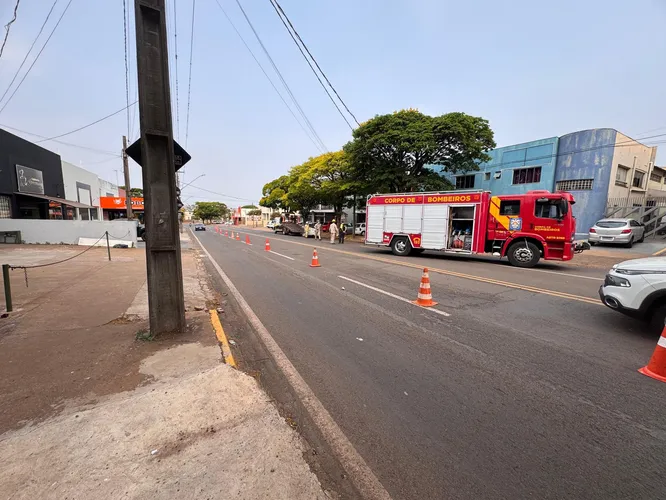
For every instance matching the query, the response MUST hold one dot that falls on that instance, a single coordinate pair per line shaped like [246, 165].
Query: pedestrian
[341, 237]
[333, 229]
[307, 230]
[318, 230]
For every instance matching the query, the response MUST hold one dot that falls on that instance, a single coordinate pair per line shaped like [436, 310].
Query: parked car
[613, 231]
[270, 224]
[325, 227]
[141, 231]
[637, 288]
[199, 227]
[360, 229]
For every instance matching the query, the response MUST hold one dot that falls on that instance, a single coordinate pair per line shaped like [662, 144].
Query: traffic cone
[267, 247]
[247, 239]
[237, 236]
[656, 368]
[315, 259]
[424, 298]
[232, 235]
[226, 233]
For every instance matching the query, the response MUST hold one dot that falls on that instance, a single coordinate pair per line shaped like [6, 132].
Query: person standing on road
[341, 237]
[307, 230]
[333, 229]
[318, 230]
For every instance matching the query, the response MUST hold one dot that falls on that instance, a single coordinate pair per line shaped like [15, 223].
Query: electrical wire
[219, 194]
[37, 57]
[127, 76]
[98, 151]
[283, 17]
[175, 51]
[29, 51]
[88, 125]
[286, 86]
[268, 77]
[189, 79]
[8, 27]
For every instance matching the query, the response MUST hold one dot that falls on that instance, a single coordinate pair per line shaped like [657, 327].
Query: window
[498, 174]
[574, 185]
[486, 176]
[634, 223]
[510, 207]
[637, 182]
[621, 175]
[5, 208]
[527, 175]
[465, 181]
[548, 209]
[655, 177]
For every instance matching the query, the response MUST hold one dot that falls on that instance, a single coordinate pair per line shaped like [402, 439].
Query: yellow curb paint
[221, 336]
[507, 284]
[660, 251]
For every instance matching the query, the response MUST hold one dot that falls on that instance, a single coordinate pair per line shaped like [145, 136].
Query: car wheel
[401, 246]
[630, 243]
[524, 254]
[592, 243]
[658, 319]
[642, 238]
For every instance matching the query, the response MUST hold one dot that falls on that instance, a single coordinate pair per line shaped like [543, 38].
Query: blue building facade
[513, 169]
[584, 166]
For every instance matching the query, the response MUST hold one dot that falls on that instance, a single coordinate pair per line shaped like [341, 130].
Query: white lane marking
[285, 256]
[357, 469]
[562, 274]
[437, 311]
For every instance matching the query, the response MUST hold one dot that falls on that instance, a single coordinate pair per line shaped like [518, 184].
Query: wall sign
[29, 180]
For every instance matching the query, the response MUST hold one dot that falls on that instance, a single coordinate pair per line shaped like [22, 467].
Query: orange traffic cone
[247, 239]
[226, 233]
[237, 236]
[268, 245]
[424, 298]
[656, 368]
[232, 235]
[315, 259]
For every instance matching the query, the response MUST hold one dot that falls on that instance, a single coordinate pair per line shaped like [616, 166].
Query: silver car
[617, 231]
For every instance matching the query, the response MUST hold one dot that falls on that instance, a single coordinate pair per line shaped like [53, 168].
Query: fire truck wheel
[523, 254]
[401, 246]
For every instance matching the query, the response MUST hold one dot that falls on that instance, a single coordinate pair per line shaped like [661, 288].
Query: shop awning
[74, 204]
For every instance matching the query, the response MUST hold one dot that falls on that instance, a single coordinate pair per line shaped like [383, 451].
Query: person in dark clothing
[341, 234]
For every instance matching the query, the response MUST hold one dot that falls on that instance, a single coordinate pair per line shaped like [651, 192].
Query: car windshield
[611, 223]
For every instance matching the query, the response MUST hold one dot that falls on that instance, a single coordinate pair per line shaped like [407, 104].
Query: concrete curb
[222, 337]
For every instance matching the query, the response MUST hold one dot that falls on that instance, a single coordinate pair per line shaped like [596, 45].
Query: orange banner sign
[119, 203]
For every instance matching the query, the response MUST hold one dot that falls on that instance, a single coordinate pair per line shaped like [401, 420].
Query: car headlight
[616, 281]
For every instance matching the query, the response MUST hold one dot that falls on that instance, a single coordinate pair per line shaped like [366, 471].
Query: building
[513, 169]
[602, 168]
[82, 186]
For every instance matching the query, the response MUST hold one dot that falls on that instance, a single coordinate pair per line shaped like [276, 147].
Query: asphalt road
[528, 389]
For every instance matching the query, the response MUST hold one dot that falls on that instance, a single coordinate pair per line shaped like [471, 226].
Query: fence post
[108, 248]
[8, 287]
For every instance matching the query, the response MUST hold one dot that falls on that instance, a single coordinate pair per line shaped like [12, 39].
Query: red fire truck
[522, 227]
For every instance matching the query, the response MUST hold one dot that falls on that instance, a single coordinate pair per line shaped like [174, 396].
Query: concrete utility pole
[165, 276]
[128, 198]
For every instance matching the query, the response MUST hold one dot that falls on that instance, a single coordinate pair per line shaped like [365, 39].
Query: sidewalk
[89, 411]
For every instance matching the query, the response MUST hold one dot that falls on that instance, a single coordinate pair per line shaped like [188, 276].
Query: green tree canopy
[392, 152]
[209, 210]
[134, 192]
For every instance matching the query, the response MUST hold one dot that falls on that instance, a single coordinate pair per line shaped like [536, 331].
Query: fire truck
[523, 227]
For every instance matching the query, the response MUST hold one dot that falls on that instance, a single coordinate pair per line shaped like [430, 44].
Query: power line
[268, 77]
[219, 194]
[286, 86]
[29, 51]
[8, 27]
[98, 151]
[283, 16]
[126, 67]
[175, 51]
[88, 125]
[37, 57]
[189, 79]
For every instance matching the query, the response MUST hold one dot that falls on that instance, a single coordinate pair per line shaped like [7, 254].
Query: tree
[396, 152]
[254, 212]
[330, 179]
[274, 194]
[134, 192]
[249, 206]
[209, 210]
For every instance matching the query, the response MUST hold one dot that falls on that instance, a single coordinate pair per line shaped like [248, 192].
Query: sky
[533, 69]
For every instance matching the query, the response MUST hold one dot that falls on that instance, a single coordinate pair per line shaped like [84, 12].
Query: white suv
[638, 288]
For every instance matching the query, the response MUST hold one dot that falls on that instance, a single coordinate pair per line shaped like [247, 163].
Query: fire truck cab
[523, 227]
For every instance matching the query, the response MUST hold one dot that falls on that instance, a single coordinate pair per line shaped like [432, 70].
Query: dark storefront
[31, 184]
